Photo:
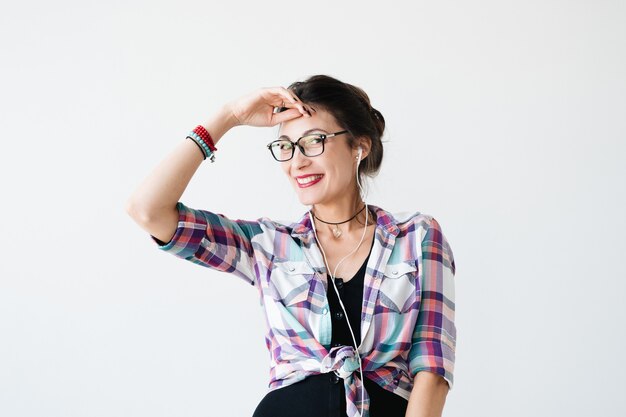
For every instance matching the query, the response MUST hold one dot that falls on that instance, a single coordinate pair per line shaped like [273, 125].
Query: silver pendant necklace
[336, 230]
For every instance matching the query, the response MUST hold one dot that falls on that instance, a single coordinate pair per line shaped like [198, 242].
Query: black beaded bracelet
[203, 147]
[199, 147]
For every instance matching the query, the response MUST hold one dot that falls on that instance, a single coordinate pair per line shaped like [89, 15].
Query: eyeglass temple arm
[330, 135]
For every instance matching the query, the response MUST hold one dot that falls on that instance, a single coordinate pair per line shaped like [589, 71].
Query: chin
[307, 200]
[312, 196]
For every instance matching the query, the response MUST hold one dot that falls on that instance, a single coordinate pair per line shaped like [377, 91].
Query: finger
[304, 111]
[290, 99]
[279, 101]
[292, 106]
[291, 95]
[284, 94]
[280, 93]
[295, 96]
[283, 116]
[306, 107]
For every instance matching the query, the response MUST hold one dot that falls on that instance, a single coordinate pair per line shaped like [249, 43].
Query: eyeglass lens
[283, 149]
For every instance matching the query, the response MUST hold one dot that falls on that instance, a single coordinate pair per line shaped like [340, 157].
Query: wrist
[229, 117]
[220, 123]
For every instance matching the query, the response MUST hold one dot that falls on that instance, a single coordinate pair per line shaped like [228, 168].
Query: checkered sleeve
[213, 241]
[434, 338]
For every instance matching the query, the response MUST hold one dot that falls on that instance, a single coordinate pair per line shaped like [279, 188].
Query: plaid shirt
[407, 318]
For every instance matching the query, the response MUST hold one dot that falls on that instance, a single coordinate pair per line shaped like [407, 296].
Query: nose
[299, 159]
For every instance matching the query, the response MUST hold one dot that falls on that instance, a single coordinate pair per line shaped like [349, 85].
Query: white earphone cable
[332, 277]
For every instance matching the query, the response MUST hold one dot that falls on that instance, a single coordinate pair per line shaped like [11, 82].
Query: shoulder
[279, 226]
[414, 222]
[412, 218]
[424, 228]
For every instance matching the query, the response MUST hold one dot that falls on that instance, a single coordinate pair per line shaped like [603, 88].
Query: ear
[365, 144]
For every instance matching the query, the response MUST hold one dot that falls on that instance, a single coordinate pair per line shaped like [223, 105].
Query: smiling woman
[358, 301]
[350, 107]
[354, 145]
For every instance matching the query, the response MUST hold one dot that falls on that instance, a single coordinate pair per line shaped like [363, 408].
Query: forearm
[428, 395]
[163, 187]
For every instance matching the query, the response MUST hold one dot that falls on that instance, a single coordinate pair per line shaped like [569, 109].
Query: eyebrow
[306, 132]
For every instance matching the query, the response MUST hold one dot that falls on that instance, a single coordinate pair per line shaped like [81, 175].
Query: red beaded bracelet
[206, 137]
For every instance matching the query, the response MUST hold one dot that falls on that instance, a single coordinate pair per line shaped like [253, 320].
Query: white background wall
[506, 121]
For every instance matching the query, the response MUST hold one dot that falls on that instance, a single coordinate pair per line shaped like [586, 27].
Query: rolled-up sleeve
[434, 338]
[214, 241]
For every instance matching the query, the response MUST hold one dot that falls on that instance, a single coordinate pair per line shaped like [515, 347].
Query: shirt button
[324, 311]
[339, 315]
[334, 378]
[339, 284]
[394, 272]
[292, 268]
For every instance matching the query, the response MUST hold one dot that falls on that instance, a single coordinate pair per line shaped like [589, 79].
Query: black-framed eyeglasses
[310, 145]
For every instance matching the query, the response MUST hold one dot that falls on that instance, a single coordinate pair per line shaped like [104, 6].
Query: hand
[257, 107]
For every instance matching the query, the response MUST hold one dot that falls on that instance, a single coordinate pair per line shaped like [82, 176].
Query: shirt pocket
[291, 281]
[397, 289]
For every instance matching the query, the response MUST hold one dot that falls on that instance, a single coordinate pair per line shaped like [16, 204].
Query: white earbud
[360, 153]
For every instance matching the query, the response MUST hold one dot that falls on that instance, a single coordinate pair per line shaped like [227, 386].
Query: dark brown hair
[351, 107]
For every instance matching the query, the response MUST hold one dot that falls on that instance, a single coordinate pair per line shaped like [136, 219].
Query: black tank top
[324, 395]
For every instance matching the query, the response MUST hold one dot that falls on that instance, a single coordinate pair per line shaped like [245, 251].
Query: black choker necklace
[336, 231]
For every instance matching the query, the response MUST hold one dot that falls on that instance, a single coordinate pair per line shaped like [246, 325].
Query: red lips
[312, 179]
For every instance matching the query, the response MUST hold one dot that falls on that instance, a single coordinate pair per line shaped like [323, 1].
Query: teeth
[308, 179]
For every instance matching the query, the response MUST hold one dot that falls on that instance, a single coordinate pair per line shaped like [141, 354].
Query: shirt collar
[385, 221]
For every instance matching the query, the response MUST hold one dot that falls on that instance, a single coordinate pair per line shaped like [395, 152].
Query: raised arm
[153, 204]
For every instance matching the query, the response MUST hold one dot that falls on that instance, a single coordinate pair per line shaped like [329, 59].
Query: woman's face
[327, 177]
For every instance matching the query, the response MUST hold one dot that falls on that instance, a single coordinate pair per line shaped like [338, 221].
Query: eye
[282, 145]
[312, 140]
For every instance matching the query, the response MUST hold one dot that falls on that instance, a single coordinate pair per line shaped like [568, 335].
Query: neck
[341, 210]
